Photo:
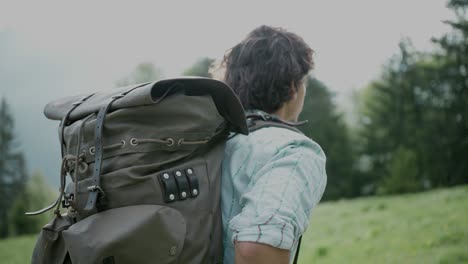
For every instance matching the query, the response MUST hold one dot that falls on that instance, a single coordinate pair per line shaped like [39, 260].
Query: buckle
[94, 188]
[66, 200]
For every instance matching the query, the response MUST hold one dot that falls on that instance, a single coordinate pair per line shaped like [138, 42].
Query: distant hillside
[430, 227]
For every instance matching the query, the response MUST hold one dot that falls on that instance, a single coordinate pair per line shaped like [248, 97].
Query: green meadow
[430, 227]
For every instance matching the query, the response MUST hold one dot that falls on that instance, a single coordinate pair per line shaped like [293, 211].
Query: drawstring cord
[81, 157]
[68, 161]
[79, 164]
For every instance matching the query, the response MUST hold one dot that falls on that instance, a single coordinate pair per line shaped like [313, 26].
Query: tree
[414, 117]
[12, 167]
[37, 194]
[200, 68]
[327, 127]
[391, 115]
[450, 79]
[144, 72]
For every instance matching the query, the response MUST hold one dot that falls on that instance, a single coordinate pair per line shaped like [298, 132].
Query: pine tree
[391, 120]
[415, 116]
[451, 79]
[12, 167]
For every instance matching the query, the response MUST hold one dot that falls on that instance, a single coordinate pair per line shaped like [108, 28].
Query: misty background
[50, 50]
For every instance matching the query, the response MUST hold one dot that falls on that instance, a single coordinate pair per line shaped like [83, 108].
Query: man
[273, 177]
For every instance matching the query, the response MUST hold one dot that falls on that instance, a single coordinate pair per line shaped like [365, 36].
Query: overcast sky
[52, 49]
[107, 39]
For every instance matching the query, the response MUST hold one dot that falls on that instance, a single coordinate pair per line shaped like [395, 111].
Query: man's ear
[293, 90]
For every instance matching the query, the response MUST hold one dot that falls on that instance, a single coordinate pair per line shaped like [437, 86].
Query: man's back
[271, 180]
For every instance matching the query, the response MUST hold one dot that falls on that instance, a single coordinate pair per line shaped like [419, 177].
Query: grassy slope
[16, 250]
[429, 227]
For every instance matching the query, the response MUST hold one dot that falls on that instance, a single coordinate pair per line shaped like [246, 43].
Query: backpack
[145, 166]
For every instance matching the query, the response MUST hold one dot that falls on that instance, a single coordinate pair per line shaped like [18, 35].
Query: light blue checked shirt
[271, 180]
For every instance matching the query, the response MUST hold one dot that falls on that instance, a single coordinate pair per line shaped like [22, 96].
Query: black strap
[297, 250]
[95, 180]
[260, 120]
[65, 121]
[94, 187]
[270, 117]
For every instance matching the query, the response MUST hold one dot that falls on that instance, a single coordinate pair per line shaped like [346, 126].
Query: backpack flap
[227, 103]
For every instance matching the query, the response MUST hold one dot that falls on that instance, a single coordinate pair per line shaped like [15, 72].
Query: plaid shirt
[271, 180]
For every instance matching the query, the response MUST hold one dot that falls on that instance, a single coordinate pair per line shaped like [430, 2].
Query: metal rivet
[173, 251]
[184, 194]
[180, 142]
[133, 142]
[178, 173]
[166, 176]
[189, 171]
[170, 142]
[195, 191]
[171, 197]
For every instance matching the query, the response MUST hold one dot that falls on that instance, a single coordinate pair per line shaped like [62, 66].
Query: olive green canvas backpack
[140, 175]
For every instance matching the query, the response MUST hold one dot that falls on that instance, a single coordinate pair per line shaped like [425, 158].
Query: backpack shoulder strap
[259, 120]
[296, 258]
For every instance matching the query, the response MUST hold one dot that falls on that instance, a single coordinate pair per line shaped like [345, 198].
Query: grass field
[429, 227]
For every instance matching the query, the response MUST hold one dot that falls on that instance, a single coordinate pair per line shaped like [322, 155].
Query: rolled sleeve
[275, 209]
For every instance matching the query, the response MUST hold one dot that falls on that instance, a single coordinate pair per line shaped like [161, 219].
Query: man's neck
[285, 115]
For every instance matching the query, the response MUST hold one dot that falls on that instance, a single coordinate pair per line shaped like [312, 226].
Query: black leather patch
[182, 184]
[170, 187]
[193, 182]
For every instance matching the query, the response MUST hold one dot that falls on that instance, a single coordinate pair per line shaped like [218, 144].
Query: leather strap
[96, 179]
[94, 188]
[296, 258]
[260, 119]
[65, 121]
[269, 117]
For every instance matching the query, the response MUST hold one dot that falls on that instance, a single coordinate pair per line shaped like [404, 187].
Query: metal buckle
[66, 200]
[264, 116]
[94, 188]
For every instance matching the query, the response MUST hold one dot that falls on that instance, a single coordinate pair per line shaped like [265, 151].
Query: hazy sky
[107, 39]
[52, 49]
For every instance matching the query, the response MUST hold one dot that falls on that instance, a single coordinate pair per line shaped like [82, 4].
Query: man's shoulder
[272, 140]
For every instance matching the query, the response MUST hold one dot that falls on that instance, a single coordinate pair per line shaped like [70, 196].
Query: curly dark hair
[262, 67]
